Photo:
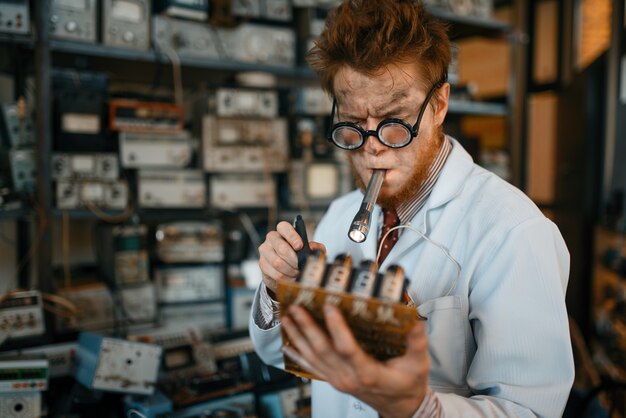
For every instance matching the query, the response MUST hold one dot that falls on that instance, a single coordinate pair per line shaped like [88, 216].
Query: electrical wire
[42, 225]
[430, 241]
[103, 216]
[65, 237]
[133, 412]
[248, 225]
[176, 73]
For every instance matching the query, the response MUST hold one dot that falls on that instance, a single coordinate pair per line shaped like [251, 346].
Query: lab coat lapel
[450, 182]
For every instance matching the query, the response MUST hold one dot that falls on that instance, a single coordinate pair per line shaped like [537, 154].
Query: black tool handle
[300, 227]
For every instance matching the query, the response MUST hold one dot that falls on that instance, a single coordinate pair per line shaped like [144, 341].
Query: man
[487, 269]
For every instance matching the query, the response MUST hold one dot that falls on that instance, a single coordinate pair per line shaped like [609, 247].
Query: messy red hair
[368, 35]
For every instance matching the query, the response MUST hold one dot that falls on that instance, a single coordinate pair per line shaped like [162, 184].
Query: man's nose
[372, 145]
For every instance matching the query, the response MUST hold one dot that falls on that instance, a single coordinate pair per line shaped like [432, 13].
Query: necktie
[390, 219]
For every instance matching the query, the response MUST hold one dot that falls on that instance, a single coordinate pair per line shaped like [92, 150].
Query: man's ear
[441, 97]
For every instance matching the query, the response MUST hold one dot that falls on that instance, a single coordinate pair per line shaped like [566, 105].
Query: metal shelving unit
[14, 214]
[45, 49]
[461, 107]
[95, 50]
[464, 26]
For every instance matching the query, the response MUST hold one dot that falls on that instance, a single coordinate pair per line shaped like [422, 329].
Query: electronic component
[379, 325]
[364, 280]
[313, 101]
[317, 183]
[233, 102]
[20, 405]
[230, 191]
[79, 110]
[210, 316]
[240, 145]
[139, 303]
[240, 301]
[260, 44]
[233, 406]
[186, 360]
[126, 23]
[392, 284]
[339, 273]
[23, 374]
[103, 167]
[74, 20]
[310, 139]
[23, 169]
[60, 357]
[190, 242]
[189, 283]
[74, 195]
[187, 39]
[186, 9]
[123, 254]
[94, 307]
[270, 133]
[478, 8]
[21, 314]
[278, 10]
[15, 17]
[143, 116]
[171, 189]
[149, 150]
[313, 273]
[116, 365]
[17, 128]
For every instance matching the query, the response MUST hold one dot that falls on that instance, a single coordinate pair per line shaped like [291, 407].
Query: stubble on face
[425, 155]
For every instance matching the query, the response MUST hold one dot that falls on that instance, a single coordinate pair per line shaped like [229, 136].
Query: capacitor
[314, 268]
[364, 280]
[392, 285]
[339, 273]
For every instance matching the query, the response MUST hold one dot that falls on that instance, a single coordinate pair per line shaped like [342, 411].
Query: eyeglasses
[392, 132]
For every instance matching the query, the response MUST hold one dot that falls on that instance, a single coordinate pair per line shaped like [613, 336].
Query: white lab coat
[498, 338]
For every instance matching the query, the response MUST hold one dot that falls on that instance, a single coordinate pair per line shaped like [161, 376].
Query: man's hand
[394, 388]
[278, 258]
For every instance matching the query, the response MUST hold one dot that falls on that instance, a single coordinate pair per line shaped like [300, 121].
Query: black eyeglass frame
[413, 130]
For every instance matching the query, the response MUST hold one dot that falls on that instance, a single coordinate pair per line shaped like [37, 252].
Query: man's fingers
[289, 234]
[340, 332]
[302, 362]
[417, 341]
[315, 336]
[278, 254]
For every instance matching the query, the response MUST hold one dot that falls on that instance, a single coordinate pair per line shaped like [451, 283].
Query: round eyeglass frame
[412, 131]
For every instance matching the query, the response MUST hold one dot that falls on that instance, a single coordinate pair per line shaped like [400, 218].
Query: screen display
[177, 358]
[129, 11]
[71, 4]
[322, 181]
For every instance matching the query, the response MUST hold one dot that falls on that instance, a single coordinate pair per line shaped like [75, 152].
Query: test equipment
[126, 23]
[74, 20]
[15, 17]
[171, 189]
[21, 315]
[115, 365]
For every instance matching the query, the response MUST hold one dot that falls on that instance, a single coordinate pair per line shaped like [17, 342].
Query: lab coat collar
[453, 175]
[451, 179]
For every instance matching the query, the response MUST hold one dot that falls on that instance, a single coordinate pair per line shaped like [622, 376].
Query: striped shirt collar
[407, 210]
